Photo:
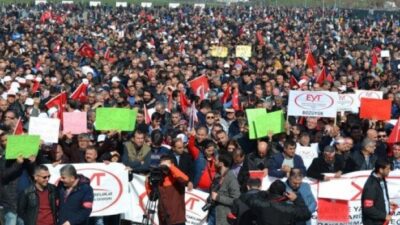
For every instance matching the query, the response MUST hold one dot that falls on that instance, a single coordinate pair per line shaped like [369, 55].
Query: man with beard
[329, 162]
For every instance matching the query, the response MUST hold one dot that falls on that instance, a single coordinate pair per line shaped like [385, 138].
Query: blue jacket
[275, 165]
[308, 197]
[77, 206]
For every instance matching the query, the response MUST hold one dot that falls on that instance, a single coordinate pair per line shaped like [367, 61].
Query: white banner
[313, 103]
[367, 94]
[109, 183]
[347, 102]
[47, 128]
[307, 153]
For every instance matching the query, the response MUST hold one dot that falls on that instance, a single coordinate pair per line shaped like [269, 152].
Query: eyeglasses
[44, 177]
[210, 117]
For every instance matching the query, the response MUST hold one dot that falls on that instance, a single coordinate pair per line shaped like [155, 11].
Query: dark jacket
[373, 202]
[356, 162]
[274, 210]
[275, 165]
[241, 211]
[28, 204]
[252, 162]
[319, 166]
[77, 206]
[185, 164]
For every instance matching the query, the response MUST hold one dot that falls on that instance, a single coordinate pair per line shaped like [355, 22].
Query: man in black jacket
[329, 162]
[37, 204]
[273, 208]
[182, 159]
[376, 206]
[364, 159]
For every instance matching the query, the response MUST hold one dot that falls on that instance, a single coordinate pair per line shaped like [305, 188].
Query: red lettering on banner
[359, 188]
[313, 98]
[97, 176]
[191, 202]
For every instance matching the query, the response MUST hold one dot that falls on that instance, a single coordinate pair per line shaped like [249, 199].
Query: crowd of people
[144, 58]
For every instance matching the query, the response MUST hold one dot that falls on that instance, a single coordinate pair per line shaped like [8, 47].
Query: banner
[26, 145]
[121, 119]
[48, 129]
[313, 103]
[109, 183]
[347, 103]
[243, 51]
[219, 51]
[367, 94]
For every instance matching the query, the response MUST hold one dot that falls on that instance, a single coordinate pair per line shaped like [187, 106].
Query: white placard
[347, 103]
[94, 3]
[47, 128]
[385, 54]
[173, 5]
[313, 103]
[67, 2]
[121, 4]
[121, 34]
[307, 153]
[199, 5]
[109, 183]
[37, 2]
[146, 4]
[367, 94]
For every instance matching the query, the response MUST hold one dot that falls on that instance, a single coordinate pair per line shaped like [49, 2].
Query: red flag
[374, 59]
[57, 101]
[108, 57]
[80, 93]
[19, 128]
[310, 61]
[45, 16]
[182, 48]
[169, 102]
[260, 38]
[227, 92]
[235, 100]
[322, 77]
[147, 118]
[293, 81]
[329, 78]
[35, 86]
[86, 51]
[200, 86]
[184, 102]
[59, 19]
[395, 134]
[240, 63]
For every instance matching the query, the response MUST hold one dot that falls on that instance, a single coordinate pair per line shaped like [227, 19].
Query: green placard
[121, 119]
[275, 122]
[26, 145]
[257, 119]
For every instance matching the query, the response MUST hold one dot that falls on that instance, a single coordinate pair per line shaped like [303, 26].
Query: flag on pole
[19, 127]
[147, 118]
[80, 93]
[86, 51]
[310, 61]
[183, 101]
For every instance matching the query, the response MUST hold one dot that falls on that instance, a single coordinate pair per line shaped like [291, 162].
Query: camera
[215, 186]
[156, 177]
[209, 203]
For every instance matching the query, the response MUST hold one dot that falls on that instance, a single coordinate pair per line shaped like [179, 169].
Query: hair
[277, 187]
[139, 132]
[366, 142]
[68, 170]
[381, 164]
[92, 147]
[40, 168]
[175, 140]
[296, 173]
[288, 143]
[225, 158]
[157, 137]
[156, 116]
[167, 157]
[202, 127]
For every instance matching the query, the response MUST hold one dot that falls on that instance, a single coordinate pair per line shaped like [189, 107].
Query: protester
[38, 203]
[364, 159]
[329, 162]
[281, 163]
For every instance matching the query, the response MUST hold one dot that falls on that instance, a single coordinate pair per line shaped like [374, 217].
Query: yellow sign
[243, 51]
[219, 51]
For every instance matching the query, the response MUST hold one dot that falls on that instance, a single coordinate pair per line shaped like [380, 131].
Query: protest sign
[48, 129]
[307, 153]
[67, 2]
[199, 5]
[38, 2]
[367, 94]
[348, 103]
[121, 4]
[94, 3]
[75, 122]
[275, 122]
[385, 54]
[121, 119]
[109, 183]
[219, 51]
[257, 120]
[25, 145]
[243, 51]
[331, 210]
[173, 5]
[375, 109]
[313, 103]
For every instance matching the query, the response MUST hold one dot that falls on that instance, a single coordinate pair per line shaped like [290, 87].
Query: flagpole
[397, 130]
[255, 130]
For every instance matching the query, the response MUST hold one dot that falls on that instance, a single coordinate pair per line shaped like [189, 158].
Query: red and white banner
[109, 183]
[313, 103]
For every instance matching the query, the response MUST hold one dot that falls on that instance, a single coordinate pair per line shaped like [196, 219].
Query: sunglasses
[45, 177]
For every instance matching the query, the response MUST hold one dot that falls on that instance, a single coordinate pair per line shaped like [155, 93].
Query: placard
[25, 145]
[121, 119]
[219, 51]
[173, 5]
[38, 2]
[243, 51]
[347, 103]
[146, 4]
[121, 4]
[307, 153]
[94, 3]
[313, 103]
[67, 2]
[75, 122]
[47, 128]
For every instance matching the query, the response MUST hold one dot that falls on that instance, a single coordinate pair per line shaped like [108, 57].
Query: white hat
[29, 101]
[29, 77]
[21, 80]
[54, 79]
[226, 65]
[38, 79]
[7, 78]
[11, 92]
[101, 138]
[115, 79]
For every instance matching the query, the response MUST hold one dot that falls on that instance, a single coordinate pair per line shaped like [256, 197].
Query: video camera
[156, 178]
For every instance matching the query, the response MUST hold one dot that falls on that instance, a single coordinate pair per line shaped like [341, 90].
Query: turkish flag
[35, 86]
[80, 93]
[227, 92]
[374, 59]
[310, 61]
[86, 51]
[293, 82]
[200, 86]
[59, 102]
[45, 16]
[322, 77]
[375, 109]
[235, 100]
[395, 134]
[19, 128]
[183, 101]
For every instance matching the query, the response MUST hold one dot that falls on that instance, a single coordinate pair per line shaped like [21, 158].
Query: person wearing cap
[278, 207]
[328, 162]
